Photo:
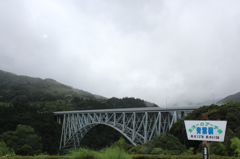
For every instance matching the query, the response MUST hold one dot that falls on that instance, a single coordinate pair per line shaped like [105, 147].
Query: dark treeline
[44, 126]
[39, 116]
[48, 131]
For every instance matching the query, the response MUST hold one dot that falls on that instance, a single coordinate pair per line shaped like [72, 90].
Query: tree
[218, 148]
[24, 141]
[235, 146]
[228, 111]
[4, 150]
[122, 144]
[167, 144]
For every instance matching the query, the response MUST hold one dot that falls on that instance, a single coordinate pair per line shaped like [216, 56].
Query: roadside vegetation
[25, 141]
[230, 112]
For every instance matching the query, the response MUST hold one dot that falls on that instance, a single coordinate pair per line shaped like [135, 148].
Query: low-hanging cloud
[175, 52]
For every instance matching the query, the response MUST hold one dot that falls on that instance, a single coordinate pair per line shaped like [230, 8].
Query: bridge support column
[146, 127]
[134, 126]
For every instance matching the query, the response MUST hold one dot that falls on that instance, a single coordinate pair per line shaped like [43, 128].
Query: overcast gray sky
[173, 51]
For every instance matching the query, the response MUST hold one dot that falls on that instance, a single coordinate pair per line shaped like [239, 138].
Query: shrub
[83, 153]
[172, 152]
[235, 146]
[4, 150]
[108, 153]
[218, 148]
[190, 151]
[157, 151]
[122, 144]
[136, 149]
[114, 153]
[142, 156]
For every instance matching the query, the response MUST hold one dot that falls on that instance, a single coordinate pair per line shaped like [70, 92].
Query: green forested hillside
[26, 112]
[49, 95]
[36, 89]
[231, 98]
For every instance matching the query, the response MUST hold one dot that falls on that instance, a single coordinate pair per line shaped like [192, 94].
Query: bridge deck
[143, 109]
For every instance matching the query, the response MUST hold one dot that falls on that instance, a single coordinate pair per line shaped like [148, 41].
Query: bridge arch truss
[138, 125]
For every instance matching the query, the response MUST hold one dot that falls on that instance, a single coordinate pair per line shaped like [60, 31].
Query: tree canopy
[228, 111]
[24, 140]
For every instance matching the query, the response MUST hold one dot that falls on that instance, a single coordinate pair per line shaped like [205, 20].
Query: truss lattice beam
[137, 126]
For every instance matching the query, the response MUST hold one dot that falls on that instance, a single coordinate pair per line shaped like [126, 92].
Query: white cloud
[145, 49]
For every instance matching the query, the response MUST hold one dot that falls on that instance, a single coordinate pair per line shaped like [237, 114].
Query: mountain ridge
[10, 80]
[230, 98]
[33, 89]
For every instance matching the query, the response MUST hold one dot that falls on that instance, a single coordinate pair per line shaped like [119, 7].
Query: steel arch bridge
[137, 124]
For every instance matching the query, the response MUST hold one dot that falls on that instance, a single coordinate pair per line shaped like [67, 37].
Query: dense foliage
[24, 140]
[160, 144]
[43, 124]
[5, 150]
[107, 153]
[229, 112]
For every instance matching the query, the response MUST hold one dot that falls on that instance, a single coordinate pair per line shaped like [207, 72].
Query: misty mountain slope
[50, 95]
[234, 98]
[37, 89]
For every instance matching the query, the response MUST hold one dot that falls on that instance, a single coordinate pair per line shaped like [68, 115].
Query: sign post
[205, 130]
[205, 150]
[205, 145]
